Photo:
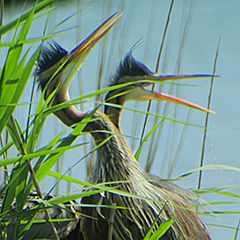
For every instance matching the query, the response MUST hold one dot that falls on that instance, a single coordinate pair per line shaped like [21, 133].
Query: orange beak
[74, 60]
[148, 95]
[84, 47]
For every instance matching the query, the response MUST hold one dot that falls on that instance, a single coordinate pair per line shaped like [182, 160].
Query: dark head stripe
[130, 67]
[50, 56]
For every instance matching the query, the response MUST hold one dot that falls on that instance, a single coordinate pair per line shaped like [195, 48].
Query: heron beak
[151, 95]
[79, 54]
[74, 60]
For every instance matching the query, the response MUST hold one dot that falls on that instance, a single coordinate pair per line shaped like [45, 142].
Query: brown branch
[33, 176]
[157, 67]
[207, 115]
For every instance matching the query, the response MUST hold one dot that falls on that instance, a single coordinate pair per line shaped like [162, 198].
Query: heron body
[139, 199]
[116, 163]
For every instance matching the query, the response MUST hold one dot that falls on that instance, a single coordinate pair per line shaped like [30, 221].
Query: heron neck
[114, 114]
[114, 157]
[113, 153]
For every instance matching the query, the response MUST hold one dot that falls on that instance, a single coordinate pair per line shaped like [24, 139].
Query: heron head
[57, 67]
[133, 77]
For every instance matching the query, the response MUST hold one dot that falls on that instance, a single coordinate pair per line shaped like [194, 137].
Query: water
[210, 20]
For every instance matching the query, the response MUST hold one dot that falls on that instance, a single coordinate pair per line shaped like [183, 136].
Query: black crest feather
[130, 67]
[50, 56]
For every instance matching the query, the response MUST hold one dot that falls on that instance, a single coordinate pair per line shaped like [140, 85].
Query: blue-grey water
[210, 20]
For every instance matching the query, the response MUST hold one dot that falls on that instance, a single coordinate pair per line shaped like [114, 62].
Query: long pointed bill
[162, 96]
[77, 56]
[178, 77]
[79, 53]
[148, 95]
